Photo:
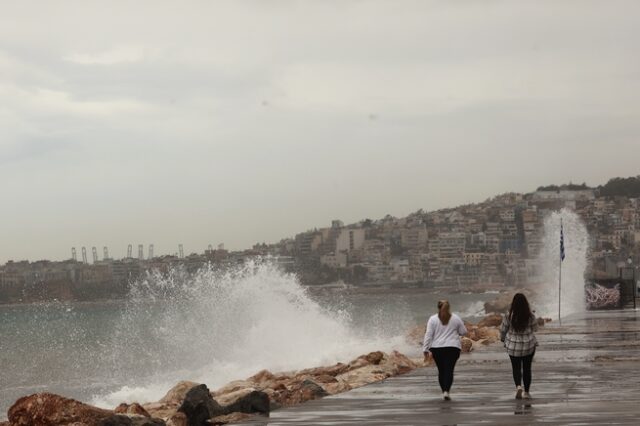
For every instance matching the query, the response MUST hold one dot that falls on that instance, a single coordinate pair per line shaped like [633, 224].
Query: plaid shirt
[519, 343]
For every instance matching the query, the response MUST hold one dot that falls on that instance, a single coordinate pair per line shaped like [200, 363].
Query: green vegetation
[621, 187]
[565, 187]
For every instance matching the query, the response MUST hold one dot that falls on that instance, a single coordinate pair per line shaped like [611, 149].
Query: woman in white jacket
[442, 343]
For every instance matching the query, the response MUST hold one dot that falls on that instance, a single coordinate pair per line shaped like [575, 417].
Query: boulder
[363, 376]
[400, 363]
[161, 409]
[177, 393]
[500, 304]
[374, 357]
[46, 409]
[324, 378]
[337, 387]
[467, 344]
[235, 386]
[169, 404]
[229, 418]
[262, 376]
[488, 334]
[199, 407]
[230, 397]
[491, 320]
[123, 420]
[299, 392]
[134, 409]
[333, 370]
[252, 402]
[178, 419]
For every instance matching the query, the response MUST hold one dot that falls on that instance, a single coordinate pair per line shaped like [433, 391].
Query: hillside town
[481, 246]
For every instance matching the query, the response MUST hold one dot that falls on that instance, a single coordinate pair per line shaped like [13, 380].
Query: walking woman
[442, 343]
[517, 333]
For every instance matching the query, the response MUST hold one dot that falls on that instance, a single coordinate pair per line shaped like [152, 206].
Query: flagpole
[560, 276]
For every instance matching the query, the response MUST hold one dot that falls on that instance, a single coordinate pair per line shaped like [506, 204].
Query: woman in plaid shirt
[517, 333]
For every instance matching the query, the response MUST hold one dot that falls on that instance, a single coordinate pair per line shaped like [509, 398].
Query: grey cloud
[205, 122]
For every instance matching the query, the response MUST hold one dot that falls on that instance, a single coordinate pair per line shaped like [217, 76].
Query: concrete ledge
[585, 372]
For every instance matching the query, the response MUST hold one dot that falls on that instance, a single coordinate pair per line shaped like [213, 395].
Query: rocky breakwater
[484, 333]
[193, 404]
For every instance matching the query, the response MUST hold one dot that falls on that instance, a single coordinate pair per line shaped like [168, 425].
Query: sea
[212, 326]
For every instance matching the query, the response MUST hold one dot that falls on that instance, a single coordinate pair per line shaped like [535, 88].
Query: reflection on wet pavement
[585, 372]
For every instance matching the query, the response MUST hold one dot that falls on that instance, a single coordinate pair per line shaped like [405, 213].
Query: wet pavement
[586, 372]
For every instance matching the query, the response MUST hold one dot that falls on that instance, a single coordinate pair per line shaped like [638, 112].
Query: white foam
[475, 309]
[215, 327]
[576, 244]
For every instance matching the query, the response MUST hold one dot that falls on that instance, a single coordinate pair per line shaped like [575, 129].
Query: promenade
[586, 372]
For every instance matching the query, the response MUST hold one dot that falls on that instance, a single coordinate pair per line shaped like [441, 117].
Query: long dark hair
[444, 311]
[520, 312]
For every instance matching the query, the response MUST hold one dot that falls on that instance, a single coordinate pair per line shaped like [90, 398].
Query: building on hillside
[350, 239]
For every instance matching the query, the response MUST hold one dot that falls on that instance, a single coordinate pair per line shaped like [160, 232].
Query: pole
[560, 280]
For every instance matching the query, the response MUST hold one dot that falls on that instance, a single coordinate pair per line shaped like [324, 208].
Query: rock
[229, 418]
[488, 334]
[161, 409]
[415, 335]
[299, 392]
[363, 376]
[177, 393]
[337, 387]
[235, 386]
[169, 404]
[491, 320]
[123, 420]
[134, 409]
[400, 363]
[333, 370]
[374, 357]
[253, 402]
[325, 378]
[262, 376]
[199, 407]
[178, 419]
[228, 398]
[46, 409]
[500, 304]
[467, 344]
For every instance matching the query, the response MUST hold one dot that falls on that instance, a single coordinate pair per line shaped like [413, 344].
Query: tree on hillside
[621, 187]
[566, 187]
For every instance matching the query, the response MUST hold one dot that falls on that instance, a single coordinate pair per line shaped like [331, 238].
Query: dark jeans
[445, 359]
[521, 366]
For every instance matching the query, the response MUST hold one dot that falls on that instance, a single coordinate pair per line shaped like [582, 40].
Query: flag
[561, 243]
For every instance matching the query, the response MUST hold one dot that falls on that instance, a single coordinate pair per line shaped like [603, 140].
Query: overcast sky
[248, 121]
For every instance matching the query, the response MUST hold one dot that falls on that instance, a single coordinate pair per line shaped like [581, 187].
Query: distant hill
[616, 187]
[621, 187]
[564, 187]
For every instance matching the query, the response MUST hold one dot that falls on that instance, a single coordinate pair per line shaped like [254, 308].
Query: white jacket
[439, 335]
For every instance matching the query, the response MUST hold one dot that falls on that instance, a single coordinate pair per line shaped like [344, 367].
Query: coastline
[280, 389]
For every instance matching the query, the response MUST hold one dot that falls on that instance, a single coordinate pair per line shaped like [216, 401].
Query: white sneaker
[519, 392]
[527, 395]
[446, 396]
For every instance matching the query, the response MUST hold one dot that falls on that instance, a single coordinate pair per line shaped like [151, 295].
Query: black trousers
[445, 359]
[521, 366]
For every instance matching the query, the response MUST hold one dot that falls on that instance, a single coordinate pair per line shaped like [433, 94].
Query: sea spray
[576, 244]
[216, 325]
